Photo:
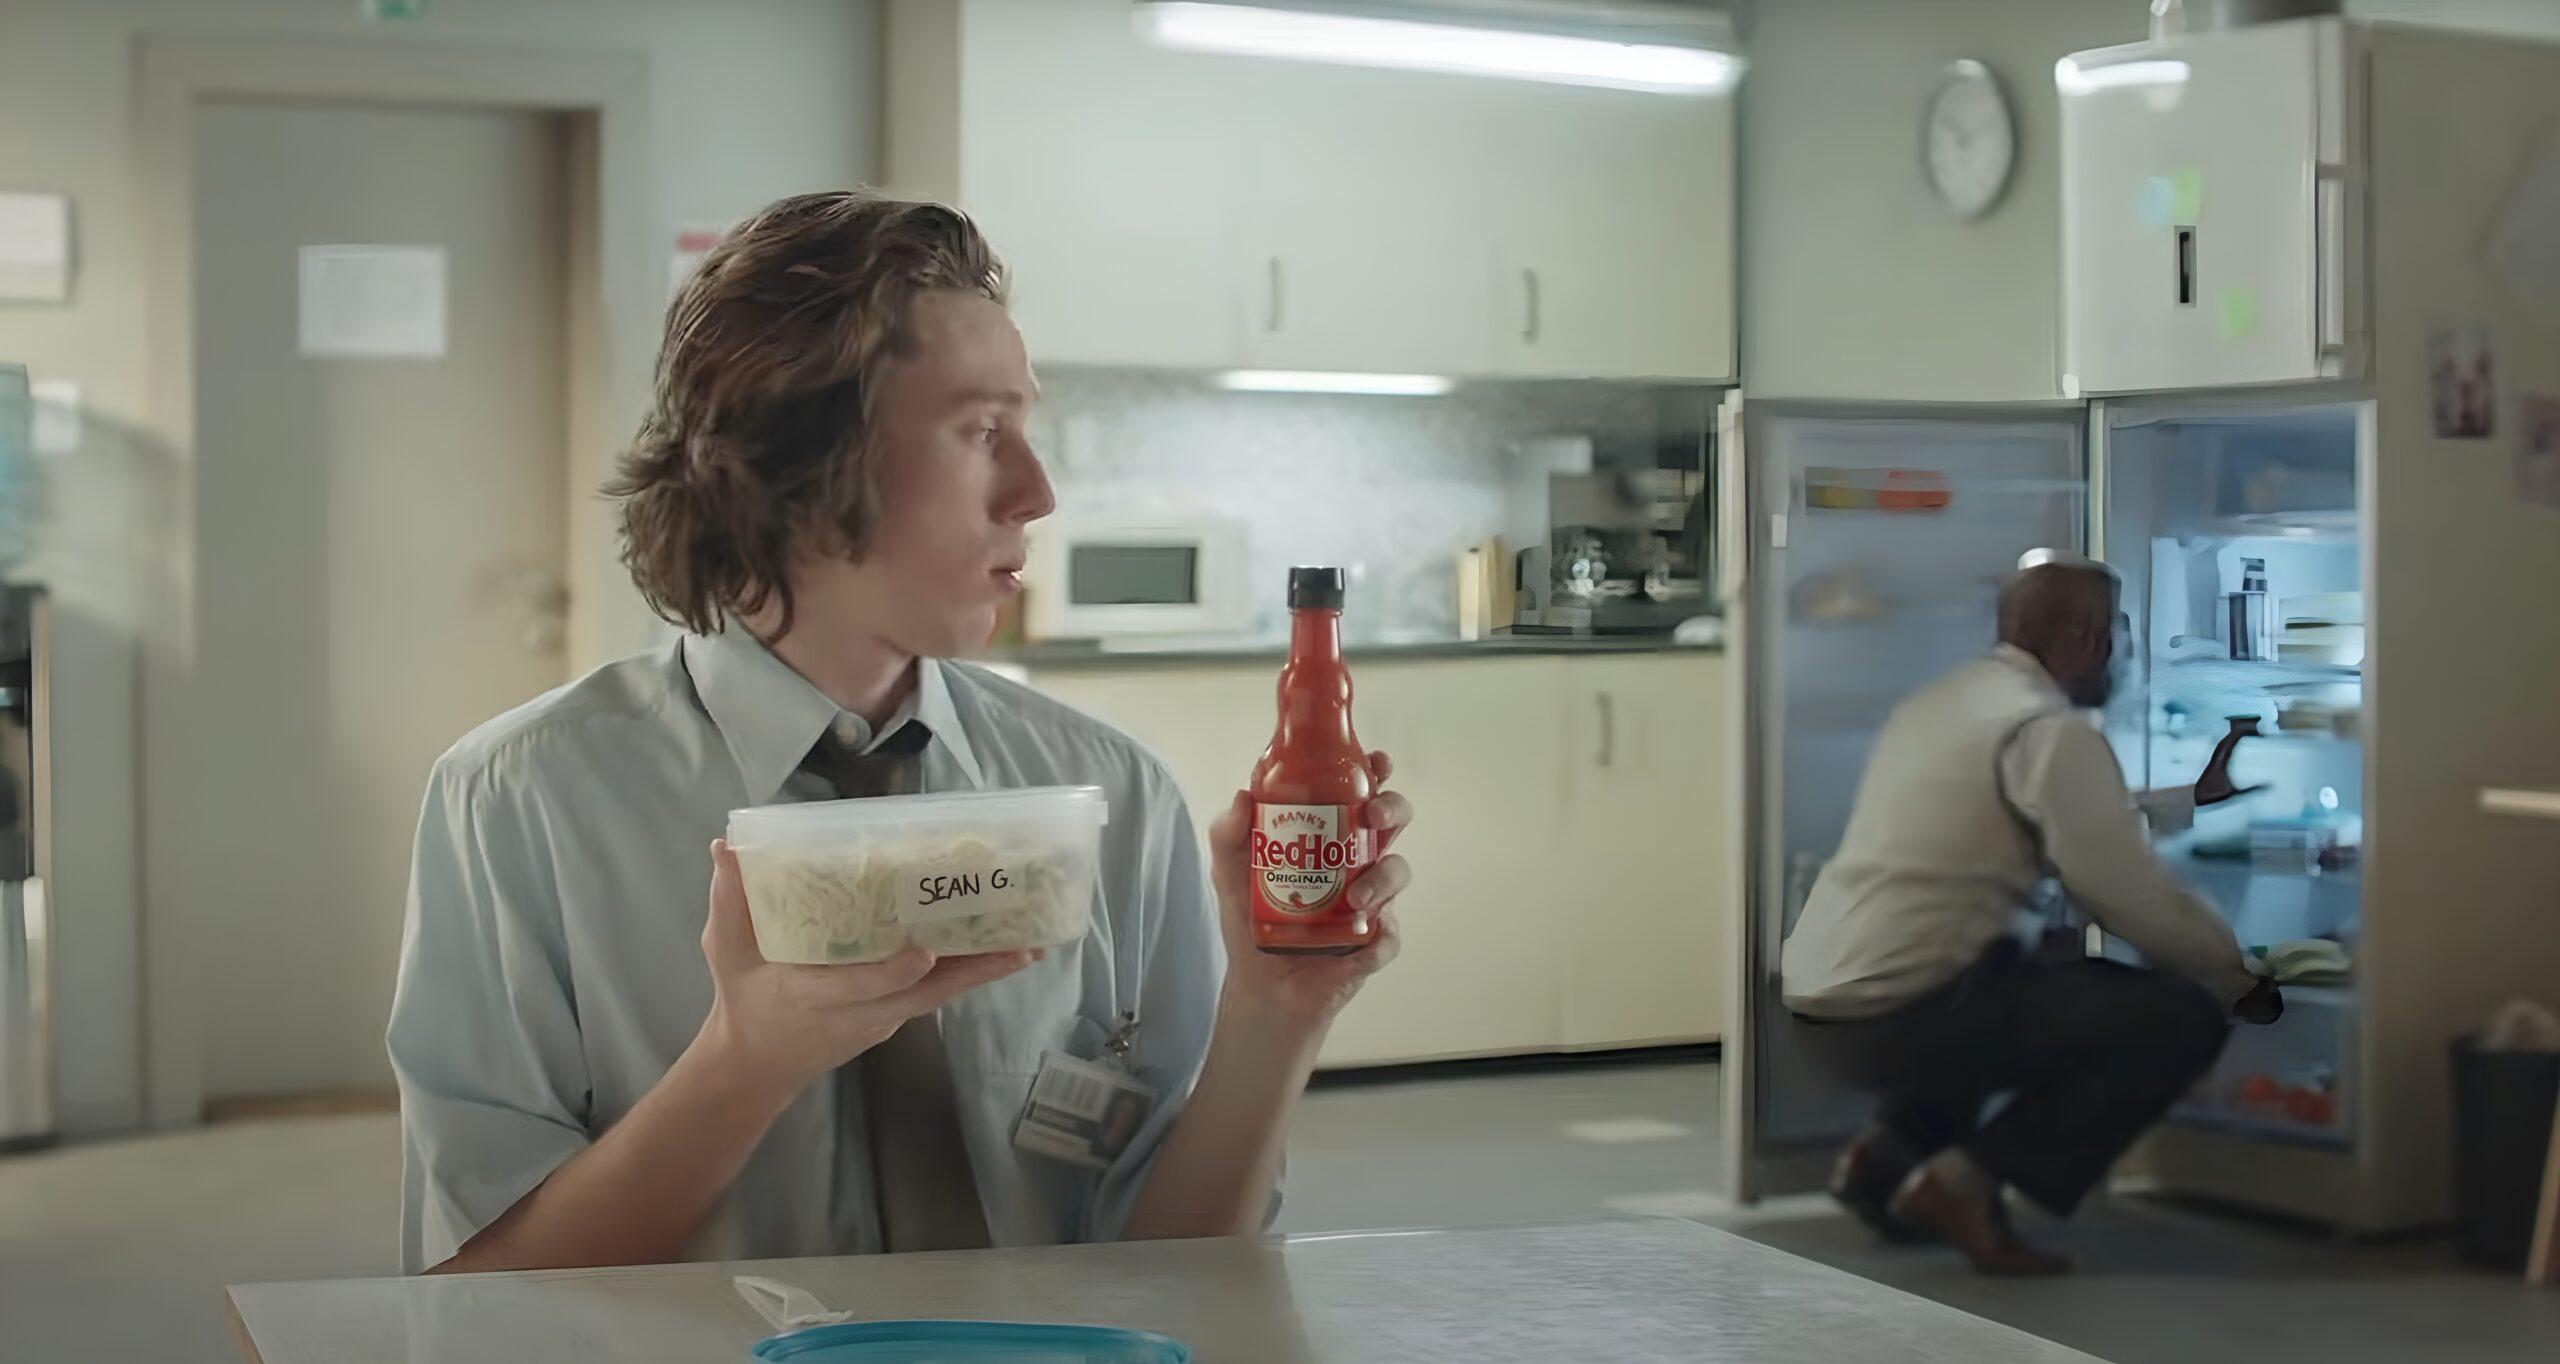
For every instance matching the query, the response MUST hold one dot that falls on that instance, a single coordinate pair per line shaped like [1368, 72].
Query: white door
[2207, 209]
[379, 556]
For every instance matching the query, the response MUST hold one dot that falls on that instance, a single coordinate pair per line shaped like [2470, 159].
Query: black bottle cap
[1318, 589]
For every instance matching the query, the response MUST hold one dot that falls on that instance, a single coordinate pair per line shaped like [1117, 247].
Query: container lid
[1317, 589]
[913, 1342]
[958, 808]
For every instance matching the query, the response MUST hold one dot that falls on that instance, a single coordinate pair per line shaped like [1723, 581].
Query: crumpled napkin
[785, 1307]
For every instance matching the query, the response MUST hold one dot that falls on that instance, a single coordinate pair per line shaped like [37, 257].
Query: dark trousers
[2090, 1052]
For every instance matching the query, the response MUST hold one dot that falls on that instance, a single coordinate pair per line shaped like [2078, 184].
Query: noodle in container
[965, 872]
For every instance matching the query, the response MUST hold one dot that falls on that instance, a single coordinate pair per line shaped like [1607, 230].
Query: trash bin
[2502, 1103]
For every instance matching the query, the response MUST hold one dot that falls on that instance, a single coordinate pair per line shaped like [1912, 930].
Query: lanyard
[1127, 959]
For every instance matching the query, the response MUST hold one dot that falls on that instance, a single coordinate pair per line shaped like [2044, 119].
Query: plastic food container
[947, 1342]
[977, 871]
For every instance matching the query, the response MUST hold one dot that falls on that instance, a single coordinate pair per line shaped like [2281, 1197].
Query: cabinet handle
[1271, 316]
[1529, 292]
[1608, 729]
[2330, 287]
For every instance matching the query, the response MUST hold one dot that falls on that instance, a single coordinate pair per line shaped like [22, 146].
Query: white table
[1628, 1290]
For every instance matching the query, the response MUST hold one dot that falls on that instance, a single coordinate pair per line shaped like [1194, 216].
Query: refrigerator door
[2210, 210]
[1878, 538]
[26, 1019]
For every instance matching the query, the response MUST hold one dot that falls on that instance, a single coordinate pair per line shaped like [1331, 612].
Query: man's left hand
[1306, 992]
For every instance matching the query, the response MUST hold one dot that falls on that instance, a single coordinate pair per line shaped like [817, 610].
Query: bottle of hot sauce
[1310, 789]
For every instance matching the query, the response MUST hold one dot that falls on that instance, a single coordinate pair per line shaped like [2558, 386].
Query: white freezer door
[2209, 207]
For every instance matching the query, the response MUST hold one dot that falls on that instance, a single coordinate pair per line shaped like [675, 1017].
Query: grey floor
[119, 1251]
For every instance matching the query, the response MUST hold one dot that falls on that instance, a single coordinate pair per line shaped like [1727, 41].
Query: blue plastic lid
[934, 1342]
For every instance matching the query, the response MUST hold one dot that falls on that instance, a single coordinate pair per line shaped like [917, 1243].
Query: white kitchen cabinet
[1568, 892]
[1363, 223]
[1472, 740]
[1477, 975]
[1199, 211]
[1645, 832]
[1103, 170]
[1614, 253]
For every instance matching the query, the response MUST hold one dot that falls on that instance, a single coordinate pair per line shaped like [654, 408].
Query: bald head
[2064, 613]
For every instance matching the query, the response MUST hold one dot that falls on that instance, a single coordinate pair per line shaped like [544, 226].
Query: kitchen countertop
[1634, 1290]
[1084, 654]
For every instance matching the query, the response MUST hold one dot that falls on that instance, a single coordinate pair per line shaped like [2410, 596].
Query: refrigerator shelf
[2306, 527]
[2320, 996]
[2163, 735]
[2224, 677]
[2215, 1117]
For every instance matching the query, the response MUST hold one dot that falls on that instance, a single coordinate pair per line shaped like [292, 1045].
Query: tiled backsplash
[1391, 488]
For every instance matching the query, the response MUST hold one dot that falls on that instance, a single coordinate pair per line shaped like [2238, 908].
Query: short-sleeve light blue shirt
[551, 965]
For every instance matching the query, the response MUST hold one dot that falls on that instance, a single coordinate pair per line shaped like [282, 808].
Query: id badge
[1084, 1113]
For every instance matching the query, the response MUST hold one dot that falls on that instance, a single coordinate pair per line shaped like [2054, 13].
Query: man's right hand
[2214, 786]
[788, 1024]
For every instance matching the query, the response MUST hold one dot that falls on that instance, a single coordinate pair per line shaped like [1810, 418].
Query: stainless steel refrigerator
[2311, 283]
[2311, 277]
[27, 1102]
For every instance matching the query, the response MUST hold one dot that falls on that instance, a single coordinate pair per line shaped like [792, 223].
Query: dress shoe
[1976, 1226]
[1863, 1180]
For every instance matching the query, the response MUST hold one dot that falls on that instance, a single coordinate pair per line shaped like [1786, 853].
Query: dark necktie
[892, 768]
[924, 1190]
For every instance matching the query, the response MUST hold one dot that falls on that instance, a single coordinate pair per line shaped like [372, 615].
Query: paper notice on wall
[691, 245]
[373, 302]
[2462, 383]
[35, 248]
[2524, 239]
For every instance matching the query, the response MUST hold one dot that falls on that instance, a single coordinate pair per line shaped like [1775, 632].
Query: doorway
[380, 559]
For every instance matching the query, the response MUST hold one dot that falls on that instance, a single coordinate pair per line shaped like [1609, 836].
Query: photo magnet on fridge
[2464, 381]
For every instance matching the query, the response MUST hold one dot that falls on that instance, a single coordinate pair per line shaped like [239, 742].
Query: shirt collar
[2031, 666]
[770, 716]
[934, 708]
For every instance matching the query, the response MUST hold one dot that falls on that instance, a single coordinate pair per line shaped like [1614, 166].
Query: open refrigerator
[2311, 288]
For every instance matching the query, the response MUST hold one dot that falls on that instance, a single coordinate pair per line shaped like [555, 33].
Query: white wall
[1856, 283]
[748, 99]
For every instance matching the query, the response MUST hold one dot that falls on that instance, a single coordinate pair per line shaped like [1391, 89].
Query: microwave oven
[1097, 579]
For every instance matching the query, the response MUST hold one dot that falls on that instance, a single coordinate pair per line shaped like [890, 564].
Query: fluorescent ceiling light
[1360, 40]
[1333, 381]
[2074, 79]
